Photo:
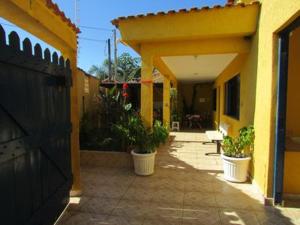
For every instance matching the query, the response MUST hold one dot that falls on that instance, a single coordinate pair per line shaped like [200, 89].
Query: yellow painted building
[236, 47]
[88, 90]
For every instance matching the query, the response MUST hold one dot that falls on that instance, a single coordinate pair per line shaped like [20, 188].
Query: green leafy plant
[160, 133]
[136, 136]
[241, 146]
[174, 99]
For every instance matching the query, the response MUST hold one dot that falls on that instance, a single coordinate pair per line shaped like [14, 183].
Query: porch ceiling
[200, 68]
[189, 25]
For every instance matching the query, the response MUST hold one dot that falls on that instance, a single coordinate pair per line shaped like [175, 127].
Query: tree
[99, 71]
[128, 68]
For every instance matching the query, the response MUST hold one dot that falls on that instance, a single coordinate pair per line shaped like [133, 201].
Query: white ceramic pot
[143, 163]
[235, 169]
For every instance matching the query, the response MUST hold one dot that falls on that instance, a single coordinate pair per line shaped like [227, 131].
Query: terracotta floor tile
[163, 195]
[123, 220]
[130, 211]
[199, 199]
[187, 187]
[238, 201]
[273, 219]
[162, 221]
[239, 217]
[81, 218]
[198, 186]
[201, 221]
[97, 205]
[201, 215]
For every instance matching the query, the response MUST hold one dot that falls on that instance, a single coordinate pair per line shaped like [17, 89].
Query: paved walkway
[187, 188]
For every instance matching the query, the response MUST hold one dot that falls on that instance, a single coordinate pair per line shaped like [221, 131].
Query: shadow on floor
[186, 188]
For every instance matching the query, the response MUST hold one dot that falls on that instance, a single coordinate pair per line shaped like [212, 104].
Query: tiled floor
[187, 188]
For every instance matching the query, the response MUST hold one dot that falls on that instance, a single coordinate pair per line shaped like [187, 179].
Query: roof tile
[54, 7]
[195, 9]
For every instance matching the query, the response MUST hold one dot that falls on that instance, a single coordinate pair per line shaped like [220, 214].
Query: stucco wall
[293, 97]
[291, 184]
[258, 87]
[274, 16]
[88, 87]
[247, 93]
[292, 155]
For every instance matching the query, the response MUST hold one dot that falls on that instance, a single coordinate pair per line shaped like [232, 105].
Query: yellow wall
[274, 16]
[292, 172]
[202, 24]
[247, 93]
[293, 97]
[292, 154]
[90, 97]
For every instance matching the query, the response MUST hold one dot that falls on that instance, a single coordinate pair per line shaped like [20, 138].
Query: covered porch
[191, 49]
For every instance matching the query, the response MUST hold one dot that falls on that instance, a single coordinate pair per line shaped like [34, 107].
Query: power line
[87, 27]
[90, 39]
[97, 28]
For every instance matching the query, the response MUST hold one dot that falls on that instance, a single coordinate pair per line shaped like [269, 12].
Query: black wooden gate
[35, 164]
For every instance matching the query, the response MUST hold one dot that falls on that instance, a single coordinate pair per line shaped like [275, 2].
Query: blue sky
[99, 13]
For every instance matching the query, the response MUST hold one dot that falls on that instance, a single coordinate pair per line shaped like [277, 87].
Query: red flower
[125, 86]
[125, 94]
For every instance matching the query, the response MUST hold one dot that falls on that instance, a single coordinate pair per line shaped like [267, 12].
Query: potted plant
[143, 142]
[236, 154]
[146, 143]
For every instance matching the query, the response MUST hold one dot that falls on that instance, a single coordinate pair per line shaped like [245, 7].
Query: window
[214, 100]
[232, 97]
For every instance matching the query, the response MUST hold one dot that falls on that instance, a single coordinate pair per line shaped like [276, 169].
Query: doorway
[287, 132]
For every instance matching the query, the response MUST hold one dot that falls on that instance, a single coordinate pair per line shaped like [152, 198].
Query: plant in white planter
[134, 135]
[236, 154]
[144, 142]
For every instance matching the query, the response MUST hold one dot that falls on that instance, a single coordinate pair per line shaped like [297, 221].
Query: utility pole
[109, 60]
[115, 54]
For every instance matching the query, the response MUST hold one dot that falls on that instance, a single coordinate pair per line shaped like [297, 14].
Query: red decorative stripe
[146, 81]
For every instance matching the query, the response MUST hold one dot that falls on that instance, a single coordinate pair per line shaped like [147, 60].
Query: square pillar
[147, 90]
[75, 148]
[166, 101]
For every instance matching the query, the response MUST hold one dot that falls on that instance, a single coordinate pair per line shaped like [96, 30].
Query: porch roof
[189, 25]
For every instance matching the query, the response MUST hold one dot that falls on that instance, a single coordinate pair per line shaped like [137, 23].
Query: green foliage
[96, 127]
[174, 102]
[116, 126]
[128, 68]
[89, 134]
[160, 133]
[99, 71]
[241, 146]
[137, 136]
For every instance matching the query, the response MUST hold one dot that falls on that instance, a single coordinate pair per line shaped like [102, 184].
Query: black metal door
[35, 167]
